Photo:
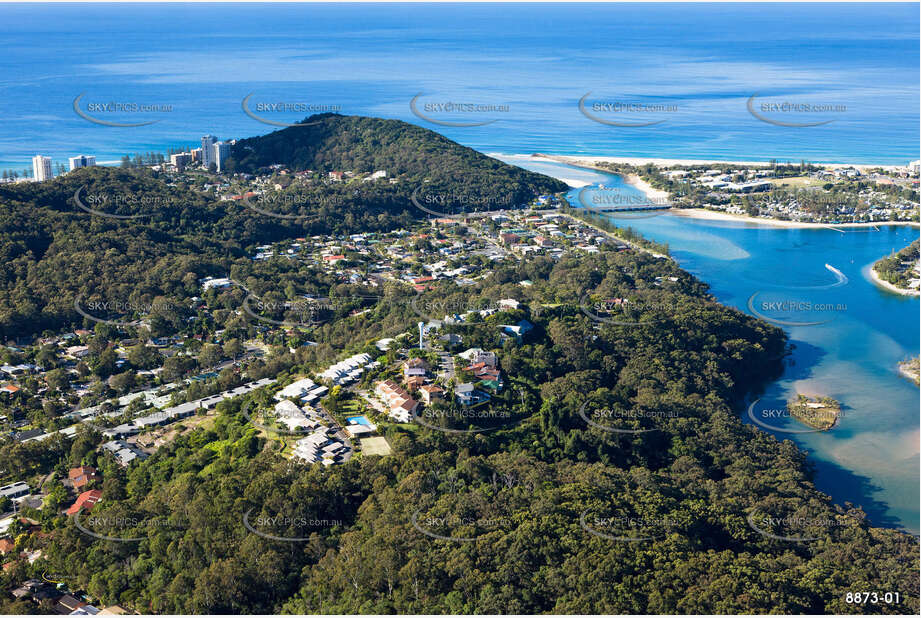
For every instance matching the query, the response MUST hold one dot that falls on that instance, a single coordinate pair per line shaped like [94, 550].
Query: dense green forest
[528, 509]
[330, 142]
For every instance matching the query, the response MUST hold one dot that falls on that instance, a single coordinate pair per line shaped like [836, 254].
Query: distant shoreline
[717, 215]
[705, 213]
[594, 160]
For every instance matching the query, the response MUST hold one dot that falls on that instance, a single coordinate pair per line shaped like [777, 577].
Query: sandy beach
[660, 195]
[651, 192]
[575, 184]
[716, 215]
[875, 278]
[593, 161]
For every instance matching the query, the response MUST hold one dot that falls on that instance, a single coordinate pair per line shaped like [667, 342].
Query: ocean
[517, 72]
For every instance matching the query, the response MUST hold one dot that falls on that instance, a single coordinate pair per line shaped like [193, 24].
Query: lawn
[798, 182]
[375, 446]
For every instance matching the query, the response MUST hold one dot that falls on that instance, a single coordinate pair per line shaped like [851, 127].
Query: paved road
[446, 365]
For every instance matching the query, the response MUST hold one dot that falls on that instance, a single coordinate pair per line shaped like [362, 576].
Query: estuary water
[848, 342]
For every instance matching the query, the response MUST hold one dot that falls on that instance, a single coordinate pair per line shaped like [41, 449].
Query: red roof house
[81, 476]
[87, 500]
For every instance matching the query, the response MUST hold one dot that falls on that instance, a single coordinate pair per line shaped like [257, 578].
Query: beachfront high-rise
[82, 161]
[220, 154]
[207, 150]
[41, 168]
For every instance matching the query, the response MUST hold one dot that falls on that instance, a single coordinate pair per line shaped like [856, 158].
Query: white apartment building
[219, 154]
[81, 161]
[41, 168]
[207, 150]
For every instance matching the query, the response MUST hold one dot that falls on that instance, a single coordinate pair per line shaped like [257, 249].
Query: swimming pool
[359, 420]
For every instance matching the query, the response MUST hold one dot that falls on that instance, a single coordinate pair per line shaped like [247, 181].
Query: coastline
[717, 215]
[654, 194]
[875, 278]
[593, 160]
[905, 371]
[651, 192]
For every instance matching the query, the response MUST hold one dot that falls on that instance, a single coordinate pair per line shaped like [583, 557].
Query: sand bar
[717, 215]
[875, 278]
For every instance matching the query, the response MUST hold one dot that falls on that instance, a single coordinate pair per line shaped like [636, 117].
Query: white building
[215, 282]
[295, 389]
[219, 154]
[15, 491]
[41, 168]
[180, 160]
[81, 161]
[291, 416]
[348, 370]
[207, 150]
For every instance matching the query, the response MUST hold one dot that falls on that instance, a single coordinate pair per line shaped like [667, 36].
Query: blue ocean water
[702, 62]
[871, 457]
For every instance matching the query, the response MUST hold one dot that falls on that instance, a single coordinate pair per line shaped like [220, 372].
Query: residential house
[87, 500]
[81, 476]
[467, 395]
[401, 405]
[431, 393]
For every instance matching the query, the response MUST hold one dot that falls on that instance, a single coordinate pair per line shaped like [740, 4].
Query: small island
[911, 369]
[817, 412]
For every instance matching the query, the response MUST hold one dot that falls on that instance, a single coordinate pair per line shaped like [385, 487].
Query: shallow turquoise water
[848, 350]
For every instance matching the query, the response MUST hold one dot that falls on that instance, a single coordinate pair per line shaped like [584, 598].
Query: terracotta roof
[87, 500]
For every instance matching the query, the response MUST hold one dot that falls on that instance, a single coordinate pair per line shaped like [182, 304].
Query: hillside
[331, 142]
[163, 233]
[547, 515]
